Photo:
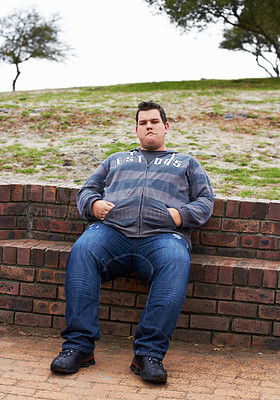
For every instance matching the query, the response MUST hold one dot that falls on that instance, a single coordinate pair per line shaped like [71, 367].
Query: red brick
[17, 273]
[209, 322]
[199, 306]
[268, 255]
[16, 303]
[59, 322]
[52, 254]
[218, 239]
[274, 210]
[49, 194]
[195, 237]
[73, 196]
[276, 329]
[183, 321]
[270, 277]
[51, 276]
[196, 271]
[141, 300]
[38, 290]
[226, 274]
[256, 275]
[33, 193]
[12, 209]
[237, 225]
[23, 223]
[237, 309]
[269, 343]
[66, 227]
[212, 291]
[6, 317]
[213, 224]
[49, 210]
[254, 295]
[211, 273]
[63, 195]
[61, 293]
[73, 213]
[117, 298]
[11, 234]
[23, 252]
[270, 228]
[49, 307]
[16, 192]
[269, 312]
[246, 209]
[261, 209]
[240, 275]
[10, 253]
[115, 328]
[231, 339]
[38, 253]
[64, 254]
[219, 207]
[263, 242]
[232, 208]
[251, 326]
[36, 320]
[125, 315]
[11, 288]
[5, 191]
[40, 224]
[194, 336]
[7, 222]
[130, 284]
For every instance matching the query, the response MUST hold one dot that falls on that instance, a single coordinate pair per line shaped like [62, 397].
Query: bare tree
[26, 34]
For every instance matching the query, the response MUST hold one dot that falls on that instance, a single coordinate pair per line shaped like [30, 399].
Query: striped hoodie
[142, 193]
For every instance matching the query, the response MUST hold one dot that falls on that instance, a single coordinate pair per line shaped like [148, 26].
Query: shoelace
[155, 360]
[66, 352]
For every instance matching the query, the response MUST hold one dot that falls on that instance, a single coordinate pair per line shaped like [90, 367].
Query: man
[141, 206]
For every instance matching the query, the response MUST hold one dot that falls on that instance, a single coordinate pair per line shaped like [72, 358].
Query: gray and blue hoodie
[142, 193]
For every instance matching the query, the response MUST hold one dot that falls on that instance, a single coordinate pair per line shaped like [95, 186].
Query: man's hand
[176, 216]
[101, 208]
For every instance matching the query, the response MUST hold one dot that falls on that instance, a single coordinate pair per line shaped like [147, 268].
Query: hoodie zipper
[142, 197]
[142, 194]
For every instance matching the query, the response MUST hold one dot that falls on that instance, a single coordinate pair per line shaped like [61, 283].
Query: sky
[123, 41]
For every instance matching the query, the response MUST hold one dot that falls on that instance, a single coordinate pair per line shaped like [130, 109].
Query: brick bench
[233, 297]
[229, 301]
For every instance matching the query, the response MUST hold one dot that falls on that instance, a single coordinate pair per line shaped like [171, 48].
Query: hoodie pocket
[155, 215]
[124, 213]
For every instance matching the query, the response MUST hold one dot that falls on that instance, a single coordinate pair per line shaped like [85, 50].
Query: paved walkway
[195, 372]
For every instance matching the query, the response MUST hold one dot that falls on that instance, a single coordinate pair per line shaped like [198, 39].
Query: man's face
[151, 130]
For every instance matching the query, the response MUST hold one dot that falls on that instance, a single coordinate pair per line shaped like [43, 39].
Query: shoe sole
[84, 364]
[137, 371]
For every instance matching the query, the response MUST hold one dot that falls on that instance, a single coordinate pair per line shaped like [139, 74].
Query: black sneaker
[70, 360]
[149, 368]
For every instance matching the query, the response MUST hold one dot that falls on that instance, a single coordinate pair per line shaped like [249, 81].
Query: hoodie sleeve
[200, 208]
[91, 191]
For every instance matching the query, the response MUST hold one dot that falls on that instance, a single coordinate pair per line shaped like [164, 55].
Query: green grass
[119, 146]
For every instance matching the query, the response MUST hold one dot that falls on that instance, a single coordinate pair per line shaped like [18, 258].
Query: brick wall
[233, 296]
[229, 301]
[237, 228]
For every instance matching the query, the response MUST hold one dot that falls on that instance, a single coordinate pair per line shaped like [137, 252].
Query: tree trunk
[14, 81]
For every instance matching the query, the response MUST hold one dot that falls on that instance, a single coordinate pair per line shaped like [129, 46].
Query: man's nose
[149, 124]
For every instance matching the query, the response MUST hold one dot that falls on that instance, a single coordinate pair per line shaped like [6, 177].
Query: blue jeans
[103, 253]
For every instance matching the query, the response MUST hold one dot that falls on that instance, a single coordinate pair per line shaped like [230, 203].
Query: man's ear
[136, 130]
[166, 127]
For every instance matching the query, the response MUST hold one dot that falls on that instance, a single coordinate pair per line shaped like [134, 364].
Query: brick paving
[195, 371]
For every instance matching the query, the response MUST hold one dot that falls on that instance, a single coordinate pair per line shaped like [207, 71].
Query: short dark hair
[151, 105]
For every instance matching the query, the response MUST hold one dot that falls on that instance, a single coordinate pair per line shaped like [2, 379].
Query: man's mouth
[152, 133]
